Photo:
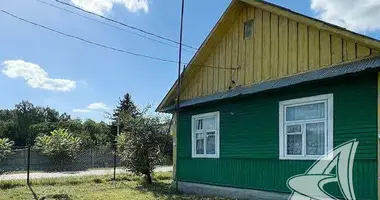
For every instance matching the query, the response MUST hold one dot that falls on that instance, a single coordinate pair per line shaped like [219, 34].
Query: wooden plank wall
[280, 47]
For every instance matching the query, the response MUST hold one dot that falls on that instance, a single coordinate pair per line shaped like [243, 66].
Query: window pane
[294, 145]
[315, 138]
[210, 143]
[248, 29]
[199, 147]
[304, 112]
[199, 124]
[293, 128]
[209, 123]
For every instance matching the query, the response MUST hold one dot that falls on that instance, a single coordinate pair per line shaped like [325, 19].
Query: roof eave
[338, 70]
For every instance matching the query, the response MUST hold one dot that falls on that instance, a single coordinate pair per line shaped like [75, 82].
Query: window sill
[205, 156]
[304, 158]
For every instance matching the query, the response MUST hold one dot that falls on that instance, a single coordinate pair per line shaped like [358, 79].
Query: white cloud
[98, 106]
[102, 7]
[94, 107]
[355, 15]
[35, 76]
[81, 110]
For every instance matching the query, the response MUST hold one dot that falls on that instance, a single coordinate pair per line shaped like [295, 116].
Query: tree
[140, 146]
[95, 134]
[26, 115]
[27, 121]
[126, 105]
[5, 148]
[60, 146]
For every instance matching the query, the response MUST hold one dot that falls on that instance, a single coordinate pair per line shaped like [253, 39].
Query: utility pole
[179, 89]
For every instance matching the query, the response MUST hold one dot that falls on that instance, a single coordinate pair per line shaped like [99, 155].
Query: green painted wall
[249, 137]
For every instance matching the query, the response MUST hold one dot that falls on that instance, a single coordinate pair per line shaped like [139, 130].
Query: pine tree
[126, 106]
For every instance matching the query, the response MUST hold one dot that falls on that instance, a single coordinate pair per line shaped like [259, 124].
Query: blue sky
[101, 76]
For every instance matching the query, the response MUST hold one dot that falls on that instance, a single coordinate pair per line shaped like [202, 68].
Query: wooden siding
[280, 47]
[249, 151]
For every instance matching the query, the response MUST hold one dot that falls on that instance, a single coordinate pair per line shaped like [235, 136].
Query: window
[306, 127]
[205, 135]
[248, 29]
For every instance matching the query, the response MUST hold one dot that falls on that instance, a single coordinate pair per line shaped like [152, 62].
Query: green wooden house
[268, 93]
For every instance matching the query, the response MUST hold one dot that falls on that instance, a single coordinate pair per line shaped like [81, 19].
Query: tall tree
[25, 115]
[126, 106]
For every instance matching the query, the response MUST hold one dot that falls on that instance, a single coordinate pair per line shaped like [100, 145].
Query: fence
[85, 159]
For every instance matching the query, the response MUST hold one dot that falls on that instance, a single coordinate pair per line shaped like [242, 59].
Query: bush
[140, 146]
[60, 146]
[5, 148]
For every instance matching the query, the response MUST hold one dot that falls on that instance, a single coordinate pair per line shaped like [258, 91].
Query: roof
[229, 16]
[338, 70]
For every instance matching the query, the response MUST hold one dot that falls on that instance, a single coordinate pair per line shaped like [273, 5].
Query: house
[268, 93]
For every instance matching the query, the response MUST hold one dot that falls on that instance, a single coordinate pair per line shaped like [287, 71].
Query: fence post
[115, 149]
[28, 165]
[92, 158]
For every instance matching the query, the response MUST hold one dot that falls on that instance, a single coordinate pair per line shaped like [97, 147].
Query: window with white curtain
[205, 135]
[306, 127]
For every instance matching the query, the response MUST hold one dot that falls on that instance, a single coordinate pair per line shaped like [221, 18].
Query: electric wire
[109, 47]
[113, 26]
[123, 24]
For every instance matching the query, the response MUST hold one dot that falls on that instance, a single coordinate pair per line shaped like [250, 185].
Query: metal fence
[84, 160]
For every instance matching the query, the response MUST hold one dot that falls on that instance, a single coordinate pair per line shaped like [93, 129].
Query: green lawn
[95, 188]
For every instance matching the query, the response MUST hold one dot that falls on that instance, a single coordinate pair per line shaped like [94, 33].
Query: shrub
[5, 148]
[60, 146]
[140, 146]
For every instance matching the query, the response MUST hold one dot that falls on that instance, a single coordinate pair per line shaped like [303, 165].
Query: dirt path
[40, 175]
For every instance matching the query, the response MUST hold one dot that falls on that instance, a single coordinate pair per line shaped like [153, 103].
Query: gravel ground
[40, 175]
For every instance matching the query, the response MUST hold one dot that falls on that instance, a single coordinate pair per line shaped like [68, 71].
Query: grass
[96, 188]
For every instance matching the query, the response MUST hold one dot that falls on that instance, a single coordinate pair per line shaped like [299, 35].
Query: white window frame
[328, 100]
[193, 135]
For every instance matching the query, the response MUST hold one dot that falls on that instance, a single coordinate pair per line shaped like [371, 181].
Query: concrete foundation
[202, 189]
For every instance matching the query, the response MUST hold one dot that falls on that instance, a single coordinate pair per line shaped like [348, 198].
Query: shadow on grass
[10, 184]
[56, 197]
[33, 193]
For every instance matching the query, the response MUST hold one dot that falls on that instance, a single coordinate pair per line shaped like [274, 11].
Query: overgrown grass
[126, 186]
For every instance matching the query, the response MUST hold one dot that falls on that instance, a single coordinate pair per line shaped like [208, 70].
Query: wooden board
[336, 49]
[242, 64]
[274, 46]
[325, 45]
[229, 58]
[314, 61]
[362, 51]
[351, 50]
[235, 52]
[266, 46]
[293, 47]
[222, 64]
[283, 46]
[249, 49]
[258, 32]
[303, 59]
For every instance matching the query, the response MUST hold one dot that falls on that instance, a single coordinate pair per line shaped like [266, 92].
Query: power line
[105, 46]
[87, 41]
[110, 25]
[123, 24]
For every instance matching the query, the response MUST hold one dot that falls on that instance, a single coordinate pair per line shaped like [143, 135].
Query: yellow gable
[283, 44]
